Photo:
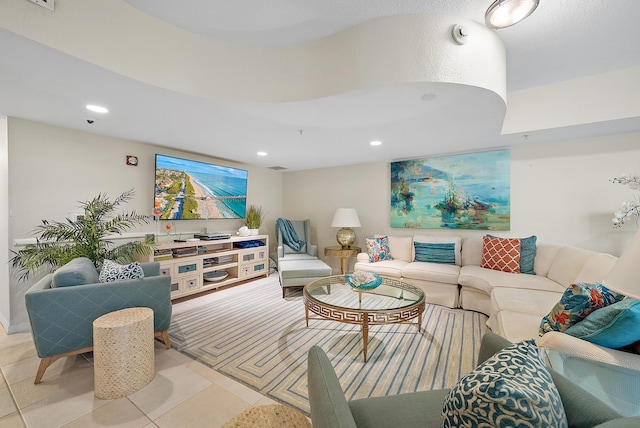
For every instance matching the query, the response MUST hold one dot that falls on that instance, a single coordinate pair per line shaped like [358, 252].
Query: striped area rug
[261, 340]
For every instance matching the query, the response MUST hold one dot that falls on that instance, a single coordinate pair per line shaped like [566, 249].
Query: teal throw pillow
[78, 271]
[511, 389]
[435, 253]
[576, 303]
[112, 271]
[378, 249]
[613, 326]
[527, 254]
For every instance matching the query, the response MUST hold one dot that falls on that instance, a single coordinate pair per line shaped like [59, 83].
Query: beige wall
[5, 295]
[52, 168]
[560, 191]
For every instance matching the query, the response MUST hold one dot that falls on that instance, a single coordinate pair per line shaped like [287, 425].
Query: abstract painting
[467, 191]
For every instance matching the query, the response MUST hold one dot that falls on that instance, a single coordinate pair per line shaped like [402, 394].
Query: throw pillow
[112, 271]
[378, 249]
[527, 254]
[501, 254]
[78, 271]
[577, 301]
[511, 389]
[443, 240]
[613, 326]
[435, 253]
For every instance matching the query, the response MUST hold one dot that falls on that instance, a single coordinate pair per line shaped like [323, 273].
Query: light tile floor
[183, 393]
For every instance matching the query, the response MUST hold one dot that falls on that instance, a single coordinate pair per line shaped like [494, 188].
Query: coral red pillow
[501, 254]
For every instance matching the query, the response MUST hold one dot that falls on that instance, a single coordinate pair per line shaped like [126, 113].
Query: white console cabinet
[204, 265]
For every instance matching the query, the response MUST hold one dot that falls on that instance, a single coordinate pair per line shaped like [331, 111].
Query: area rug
[260, 339]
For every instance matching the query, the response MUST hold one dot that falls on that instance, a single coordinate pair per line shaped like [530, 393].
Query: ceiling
[562, 40]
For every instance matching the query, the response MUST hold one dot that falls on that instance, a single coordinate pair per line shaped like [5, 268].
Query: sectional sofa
[514, 302]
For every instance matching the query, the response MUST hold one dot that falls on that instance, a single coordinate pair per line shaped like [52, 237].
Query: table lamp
[346, 218]
[624, 278]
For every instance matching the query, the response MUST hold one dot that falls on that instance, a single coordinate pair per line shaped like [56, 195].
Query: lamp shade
[345, 217]
[624, 278]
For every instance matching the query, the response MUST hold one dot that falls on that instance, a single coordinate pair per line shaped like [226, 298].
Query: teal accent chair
[298, 268]
[330, 409]
[62, 307]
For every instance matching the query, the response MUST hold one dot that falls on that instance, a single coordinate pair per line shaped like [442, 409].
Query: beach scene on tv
[187, 189]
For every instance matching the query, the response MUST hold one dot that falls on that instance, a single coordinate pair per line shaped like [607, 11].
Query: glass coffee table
[392, 302]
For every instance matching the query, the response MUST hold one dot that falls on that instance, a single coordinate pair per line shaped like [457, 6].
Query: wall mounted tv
[192, 190]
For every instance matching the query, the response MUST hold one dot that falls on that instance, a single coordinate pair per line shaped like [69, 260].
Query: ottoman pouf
[123, 352]
[269, 416]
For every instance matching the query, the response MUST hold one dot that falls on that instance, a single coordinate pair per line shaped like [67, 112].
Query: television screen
[190, 190]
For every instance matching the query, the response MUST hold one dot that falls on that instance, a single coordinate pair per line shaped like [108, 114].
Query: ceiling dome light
[97, 109]
[505, 13]
[262, 153]
[376, 143]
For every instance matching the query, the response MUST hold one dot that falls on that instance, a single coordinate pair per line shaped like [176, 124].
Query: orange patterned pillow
[501, 254]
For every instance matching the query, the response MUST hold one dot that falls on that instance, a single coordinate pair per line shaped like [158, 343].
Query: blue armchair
[62, 307]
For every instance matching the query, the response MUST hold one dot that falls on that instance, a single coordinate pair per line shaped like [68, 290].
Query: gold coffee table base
[318, 299]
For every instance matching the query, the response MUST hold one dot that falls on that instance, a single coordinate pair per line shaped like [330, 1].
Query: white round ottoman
[123, 352]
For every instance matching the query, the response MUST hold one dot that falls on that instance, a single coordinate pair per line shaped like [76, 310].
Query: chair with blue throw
[298, 262]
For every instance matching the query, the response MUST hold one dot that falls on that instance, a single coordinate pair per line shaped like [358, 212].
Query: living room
[561, 189]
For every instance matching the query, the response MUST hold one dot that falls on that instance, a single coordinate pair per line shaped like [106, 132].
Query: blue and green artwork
[468, 191]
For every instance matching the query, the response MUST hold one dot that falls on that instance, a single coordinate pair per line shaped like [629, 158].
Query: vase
[253, 232]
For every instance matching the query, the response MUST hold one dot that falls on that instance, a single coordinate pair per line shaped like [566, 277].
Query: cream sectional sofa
[515, 303]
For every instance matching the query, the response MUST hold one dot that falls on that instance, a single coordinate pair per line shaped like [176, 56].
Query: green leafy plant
[254, 217]
[59, 242]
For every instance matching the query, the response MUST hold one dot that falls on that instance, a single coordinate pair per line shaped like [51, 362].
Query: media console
[204, 265]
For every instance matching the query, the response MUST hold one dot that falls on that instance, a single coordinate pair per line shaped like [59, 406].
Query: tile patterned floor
[183, 393]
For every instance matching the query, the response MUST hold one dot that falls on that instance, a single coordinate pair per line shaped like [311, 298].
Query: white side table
[123, 352]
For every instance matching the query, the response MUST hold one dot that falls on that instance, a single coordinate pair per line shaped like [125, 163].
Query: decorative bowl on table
[216, 276]
[363, 280]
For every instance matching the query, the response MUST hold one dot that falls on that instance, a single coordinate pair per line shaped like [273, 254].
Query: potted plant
[59, 242]
[253, 219]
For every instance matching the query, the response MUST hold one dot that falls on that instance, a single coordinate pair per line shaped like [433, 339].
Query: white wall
[5, 295]
[52, 168]
[560, 191]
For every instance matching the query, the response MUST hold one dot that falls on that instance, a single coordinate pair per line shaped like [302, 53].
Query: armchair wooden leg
[44, 363]
[164, 335]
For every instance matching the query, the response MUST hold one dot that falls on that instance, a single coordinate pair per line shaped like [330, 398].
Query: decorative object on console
[346, 218]
[378, 249]
[576, 303]
[631, 207]
[253, 219]
[623, 277]
[469, 191]
[85, 236]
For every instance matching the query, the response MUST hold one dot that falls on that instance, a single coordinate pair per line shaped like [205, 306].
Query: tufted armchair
[62, 307]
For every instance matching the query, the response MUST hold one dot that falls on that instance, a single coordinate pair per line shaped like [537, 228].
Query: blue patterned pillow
[576, 303]
[613, 326]
[378, 249]
[512, 388]
[435, 253]
[112, 271]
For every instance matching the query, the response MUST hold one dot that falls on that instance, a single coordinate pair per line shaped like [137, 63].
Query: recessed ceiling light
[376, 143]
[97, 109]
[505, 13]
[262, 153]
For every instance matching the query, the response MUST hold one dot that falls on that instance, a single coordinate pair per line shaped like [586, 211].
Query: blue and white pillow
[435, 253]
[112, 271]
[378, 249]
[512, 388]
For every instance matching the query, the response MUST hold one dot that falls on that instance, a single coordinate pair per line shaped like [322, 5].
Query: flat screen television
[192, 190]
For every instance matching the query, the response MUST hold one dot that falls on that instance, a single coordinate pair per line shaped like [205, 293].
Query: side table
[123, 352]
[343, 253]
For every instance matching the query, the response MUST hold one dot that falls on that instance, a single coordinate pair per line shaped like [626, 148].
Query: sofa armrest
[490, 344]
[329, 407]
[151, 268]
[362, 258]
[567, 344]
[312, 250]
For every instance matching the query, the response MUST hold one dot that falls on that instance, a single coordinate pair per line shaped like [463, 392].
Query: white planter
[254, 232]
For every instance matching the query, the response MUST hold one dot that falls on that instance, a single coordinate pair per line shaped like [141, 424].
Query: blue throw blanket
[289, 235]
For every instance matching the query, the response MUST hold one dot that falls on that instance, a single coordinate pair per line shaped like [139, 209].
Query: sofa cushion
[288, 250]
[388, 268]
[78, 271]
[435, 272]
[435, 253]
[401, 247]
[512, 388]
[487, 279]
[471, 252]
[613, 326]
[456, 240]
[567, 264]
[522, 300]
[596, 268]
[378, 249]
[112, 271]
[576, 303]
[515, 326]
[501, 254]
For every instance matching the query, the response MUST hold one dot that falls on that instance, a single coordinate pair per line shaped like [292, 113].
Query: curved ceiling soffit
[385, 51]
